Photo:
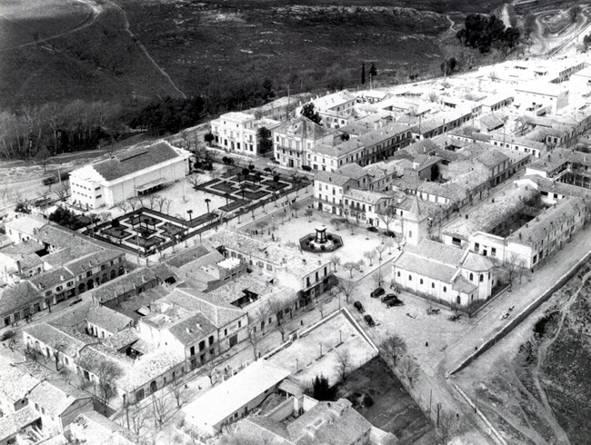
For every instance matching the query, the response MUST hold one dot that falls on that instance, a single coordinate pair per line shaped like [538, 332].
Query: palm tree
[207, 201]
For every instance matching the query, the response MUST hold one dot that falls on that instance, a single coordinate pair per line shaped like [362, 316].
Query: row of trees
[486, 32]
[52, 128]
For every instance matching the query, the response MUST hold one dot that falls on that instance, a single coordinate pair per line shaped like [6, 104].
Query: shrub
[367, 400]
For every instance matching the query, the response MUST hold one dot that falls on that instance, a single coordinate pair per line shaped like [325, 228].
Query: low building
[241, 394]
[127, 174]
[92, 428]
[450, 275]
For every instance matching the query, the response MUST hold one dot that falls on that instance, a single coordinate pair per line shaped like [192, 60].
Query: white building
[127, 174]
[448, 274]
[238, 132]
[234, 398]
[541, 97]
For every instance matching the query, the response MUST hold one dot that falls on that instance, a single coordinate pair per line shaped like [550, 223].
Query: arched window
[458, 300]
[471, 276]
[153, 386]
[481, 278]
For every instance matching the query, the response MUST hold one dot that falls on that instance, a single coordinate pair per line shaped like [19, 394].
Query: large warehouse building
[126, 174]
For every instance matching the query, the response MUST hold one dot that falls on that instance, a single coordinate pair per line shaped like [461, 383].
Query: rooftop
[236, 392]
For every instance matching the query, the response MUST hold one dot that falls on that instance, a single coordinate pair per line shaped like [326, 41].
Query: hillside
[134, 50]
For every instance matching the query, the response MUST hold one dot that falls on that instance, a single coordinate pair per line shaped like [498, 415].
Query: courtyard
[323, 350]
[360, 246]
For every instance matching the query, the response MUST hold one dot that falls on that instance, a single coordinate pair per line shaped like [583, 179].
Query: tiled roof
[56, 397]
[12, 424]
[15, 382]
[461, 284]
[331, 178]
[92, 260]
[56, 338]
[51, 278]
[540, 227]
[14, 297]
[336, 423]
[134, 160]
[108, 319]
[411, 262]
[192, 329]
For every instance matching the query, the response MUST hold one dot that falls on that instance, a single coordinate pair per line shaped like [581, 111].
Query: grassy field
[209, 47]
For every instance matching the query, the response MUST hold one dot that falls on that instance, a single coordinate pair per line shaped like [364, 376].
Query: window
[481, 278]
[444, 289]
[398, 273]
[421, 281]
[471, 276]
[432, 285]
[211, 340]
[410, 278]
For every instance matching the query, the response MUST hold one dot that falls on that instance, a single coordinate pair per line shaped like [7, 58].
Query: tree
[265, 140]
[268, 89]
[158, 410]
[574, 12]
[343, 363]
[370, 255]
[373, 71]
[107, 373]
[321, 389]
[209, 137]
[362, 73]
[350, 266]
[136, 420]
[380, 250]
[61, 192]
[23, 207]
[42, 156]
[335, 260]
[348, 288]
[176, 390]
[393, 347]
[308, 111]
[309, 213]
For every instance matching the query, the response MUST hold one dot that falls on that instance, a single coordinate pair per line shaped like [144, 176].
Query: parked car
[369, 320]
[433, 310]
[372, 229]
[390, 234]
[388, 297]
[394, 302]
[357, 305]
[454, 317]
[377, 292]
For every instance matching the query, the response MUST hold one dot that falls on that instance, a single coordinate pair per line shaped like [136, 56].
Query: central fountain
[321, 241]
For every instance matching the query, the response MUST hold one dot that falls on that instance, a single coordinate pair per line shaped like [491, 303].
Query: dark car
[390, 234]
[268, 169]
[357, 305]
[372, 229]
[394, 302]
[388, 297]
[369, 320]
[377, 292]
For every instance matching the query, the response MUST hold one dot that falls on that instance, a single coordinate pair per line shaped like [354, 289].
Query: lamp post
[207, 201]
[190, 213]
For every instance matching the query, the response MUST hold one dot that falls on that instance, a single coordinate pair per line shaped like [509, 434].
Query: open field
[541, 387]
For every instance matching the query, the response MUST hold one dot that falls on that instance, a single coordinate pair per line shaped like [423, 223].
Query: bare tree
[133, 202]
[380, 250]
[335, 261]
[370, 255]
[167, 204]
[343, 363]
[388, 216]
[347, 287]
[194, 181]
[158, 410]
[350, 266]
[176, 390]
[124, 206]
[408, 369]
[136, 420]
[61, 192]
[393, 347]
